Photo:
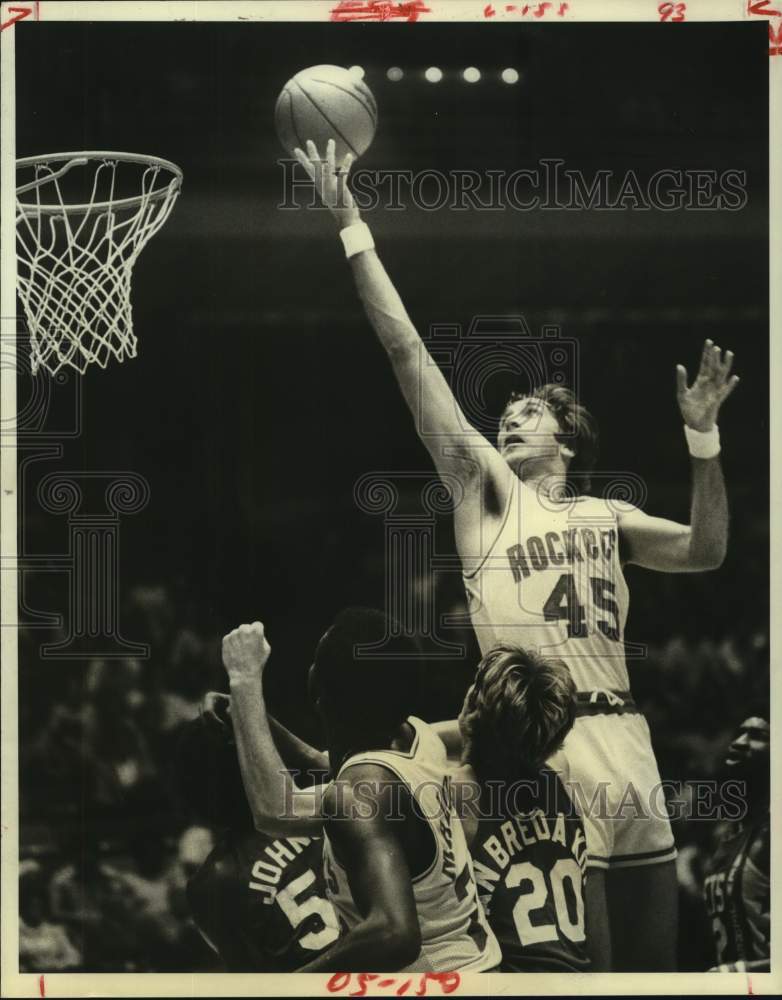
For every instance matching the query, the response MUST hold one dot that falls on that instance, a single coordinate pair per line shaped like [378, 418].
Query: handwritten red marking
[448, 982]
[363, 979]
[672, 11]
[42, 985]
[761, 8]
[540, 9]
[379, 10]
[20, 13]
[775, 40]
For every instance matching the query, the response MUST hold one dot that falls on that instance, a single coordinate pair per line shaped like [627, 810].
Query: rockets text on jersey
[553, 581]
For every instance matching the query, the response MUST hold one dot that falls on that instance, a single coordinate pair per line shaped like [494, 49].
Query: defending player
[737, 889]
[546, 572]
[527, 841]
[259, 901]
[397, 867]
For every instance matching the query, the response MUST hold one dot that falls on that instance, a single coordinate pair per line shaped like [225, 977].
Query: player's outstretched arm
[278, 807]
[388, 937]
[665, 545]
[297, 755]
[455, 446]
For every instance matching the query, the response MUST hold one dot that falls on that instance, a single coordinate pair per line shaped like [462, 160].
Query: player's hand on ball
[331, 182]
[700, 402]
[245, 652]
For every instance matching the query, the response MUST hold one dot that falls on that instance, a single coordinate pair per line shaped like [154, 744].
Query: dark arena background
[260, 396]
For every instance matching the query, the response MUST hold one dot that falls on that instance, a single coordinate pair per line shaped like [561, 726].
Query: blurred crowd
[107, 846]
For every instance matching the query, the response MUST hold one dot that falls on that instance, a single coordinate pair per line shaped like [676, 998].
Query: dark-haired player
[527, 841]
[544, 569]
[259, 901]
[397, 868]
[737, 889]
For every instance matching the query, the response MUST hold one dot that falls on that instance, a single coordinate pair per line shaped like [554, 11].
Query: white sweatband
[703, 444]
[356, 238]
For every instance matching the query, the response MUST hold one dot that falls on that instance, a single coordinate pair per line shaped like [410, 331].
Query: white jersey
[553, 581]
[455, 936]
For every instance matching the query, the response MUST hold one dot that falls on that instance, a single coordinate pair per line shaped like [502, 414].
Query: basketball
[326, 102]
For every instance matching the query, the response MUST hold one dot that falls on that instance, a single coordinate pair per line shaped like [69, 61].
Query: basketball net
[75, 260]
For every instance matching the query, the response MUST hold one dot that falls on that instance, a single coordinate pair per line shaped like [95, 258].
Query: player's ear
[312, 688]
[566, 452]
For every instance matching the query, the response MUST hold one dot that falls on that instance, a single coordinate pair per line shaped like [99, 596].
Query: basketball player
[737, 889]
[260, 902]
[527, 842]
[545, 571]
[397, 868]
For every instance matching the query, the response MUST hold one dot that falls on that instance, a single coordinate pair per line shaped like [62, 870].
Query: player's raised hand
[331, 182]
[700, 402]
[245, 652]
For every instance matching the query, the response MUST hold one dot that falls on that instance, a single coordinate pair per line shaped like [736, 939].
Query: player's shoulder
[581, 504]
[606, 506]
[427, 744]
[362, 777]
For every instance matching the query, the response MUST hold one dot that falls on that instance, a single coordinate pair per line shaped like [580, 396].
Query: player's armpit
[659, 544]
[364, 838]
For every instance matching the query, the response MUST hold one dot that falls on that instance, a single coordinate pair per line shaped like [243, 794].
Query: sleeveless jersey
[737, 895]
[553, 581]
[454, 934]
[530, 869]
[261, 902]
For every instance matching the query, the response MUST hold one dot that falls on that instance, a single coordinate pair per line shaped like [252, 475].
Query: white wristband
[356, 238]
[703, 444]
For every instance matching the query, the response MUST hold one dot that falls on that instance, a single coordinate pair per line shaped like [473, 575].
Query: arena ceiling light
[434, 74]
[510, 75]
[394, 73]
[357, 71]
[472, 74]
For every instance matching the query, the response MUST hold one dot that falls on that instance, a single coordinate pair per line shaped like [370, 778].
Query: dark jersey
[261, 902]
[737, 893]
[530, 863]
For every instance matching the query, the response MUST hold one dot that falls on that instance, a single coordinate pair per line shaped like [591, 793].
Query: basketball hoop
[79, 233]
